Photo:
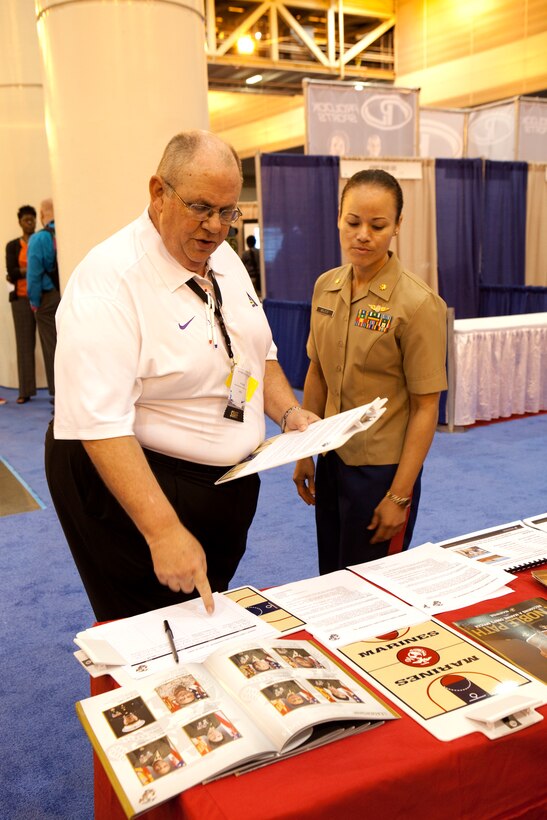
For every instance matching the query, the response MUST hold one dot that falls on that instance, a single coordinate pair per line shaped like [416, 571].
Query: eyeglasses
[201, 212]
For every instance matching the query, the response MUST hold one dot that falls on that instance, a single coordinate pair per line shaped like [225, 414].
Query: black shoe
[22, 399]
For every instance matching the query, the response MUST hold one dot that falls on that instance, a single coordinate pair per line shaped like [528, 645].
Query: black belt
[176, 464]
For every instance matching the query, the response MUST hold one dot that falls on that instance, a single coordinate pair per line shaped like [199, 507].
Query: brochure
[246, 705]
[513, 546]
[517, 633]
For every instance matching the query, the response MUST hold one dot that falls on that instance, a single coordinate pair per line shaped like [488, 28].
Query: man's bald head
[186, 146]
[46, 211]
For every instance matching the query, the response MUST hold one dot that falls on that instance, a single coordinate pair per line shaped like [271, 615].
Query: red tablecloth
[397, 770]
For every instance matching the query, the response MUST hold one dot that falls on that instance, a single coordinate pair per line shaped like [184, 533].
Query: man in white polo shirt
[164, 369]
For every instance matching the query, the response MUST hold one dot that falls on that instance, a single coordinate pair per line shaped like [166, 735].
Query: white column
[121, 78]
[24, 162]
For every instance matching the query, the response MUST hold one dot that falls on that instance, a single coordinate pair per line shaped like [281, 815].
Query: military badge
[373, 320]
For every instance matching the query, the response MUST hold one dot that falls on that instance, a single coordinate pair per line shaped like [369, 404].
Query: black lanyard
[193, 285]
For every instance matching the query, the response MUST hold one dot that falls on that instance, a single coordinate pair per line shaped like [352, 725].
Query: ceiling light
[258, 35]
[245, 45]
[256, 78]
[358, 86]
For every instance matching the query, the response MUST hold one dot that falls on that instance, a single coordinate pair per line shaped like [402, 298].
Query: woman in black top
[23, 317]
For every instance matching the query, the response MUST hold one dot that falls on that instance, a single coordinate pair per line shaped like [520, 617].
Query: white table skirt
[501, 367]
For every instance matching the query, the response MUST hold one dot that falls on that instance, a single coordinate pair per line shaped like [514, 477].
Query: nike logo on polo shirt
[185, 325]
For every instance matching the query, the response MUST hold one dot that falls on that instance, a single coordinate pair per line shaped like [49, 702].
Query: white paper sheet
[140, 641]
[511, 546]
[433, 580]
[537, 521]
[94, 670]
[327, 434]
[340, 607]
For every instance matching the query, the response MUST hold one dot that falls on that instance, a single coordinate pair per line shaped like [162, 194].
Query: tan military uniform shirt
[388, 342]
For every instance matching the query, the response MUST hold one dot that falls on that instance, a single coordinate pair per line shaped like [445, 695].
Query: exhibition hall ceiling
[260, 53]
[283, 43]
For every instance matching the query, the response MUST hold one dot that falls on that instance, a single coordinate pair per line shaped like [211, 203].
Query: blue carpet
[484, 477]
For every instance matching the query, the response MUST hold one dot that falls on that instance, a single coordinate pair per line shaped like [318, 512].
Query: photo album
[246, 705]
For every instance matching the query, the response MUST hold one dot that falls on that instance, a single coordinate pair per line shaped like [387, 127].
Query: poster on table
[367, 121]
[441, 679]
[264, 608]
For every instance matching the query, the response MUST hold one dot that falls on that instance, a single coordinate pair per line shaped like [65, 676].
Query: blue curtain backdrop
[504, 300]
[299, 214]
[504, 234]
[290, 324]
[458, 191]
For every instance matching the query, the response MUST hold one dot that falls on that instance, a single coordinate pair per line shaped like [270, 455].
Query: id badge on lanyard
[238, 381]
[237, 395]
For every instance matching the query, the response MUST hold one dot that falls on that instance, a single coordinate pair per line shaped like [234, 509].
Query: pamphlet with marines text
[436, 675]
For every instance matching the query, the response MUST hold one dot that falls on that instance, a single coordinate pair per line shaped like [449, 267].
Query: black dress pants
[345, 500]
[45, 322]
[112, 556]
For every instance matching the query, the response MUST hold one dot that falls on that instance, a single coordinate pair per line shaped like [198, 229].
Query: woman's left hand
[388, 519]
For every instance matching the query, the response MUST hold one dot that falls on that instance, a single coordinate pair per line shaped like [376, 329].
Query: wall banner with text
[369, 121]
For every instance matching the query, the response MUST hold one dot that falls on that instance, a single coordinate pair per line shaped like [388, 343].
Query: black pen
[171, 640]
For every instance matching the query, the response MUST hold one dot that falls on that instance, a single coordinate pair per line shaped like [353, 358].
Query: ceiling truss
[317, 39]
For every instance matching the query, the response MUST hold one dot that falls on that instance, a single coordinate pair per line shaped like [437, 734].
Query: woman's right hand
[304, 478]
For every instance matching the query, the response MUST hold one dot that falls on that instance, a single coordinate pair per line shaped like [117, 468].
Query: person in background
[23, 317]
[43, 286]
[164, 370]
[376, 331]
[232, 238]
[251, 260]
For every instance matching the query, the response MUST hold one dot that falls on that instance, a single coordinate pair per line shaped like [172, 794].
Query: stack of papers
[513, 546]
[365, 600]
[340, 607]
[136, 647]
[327, 434]
[434, 580]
